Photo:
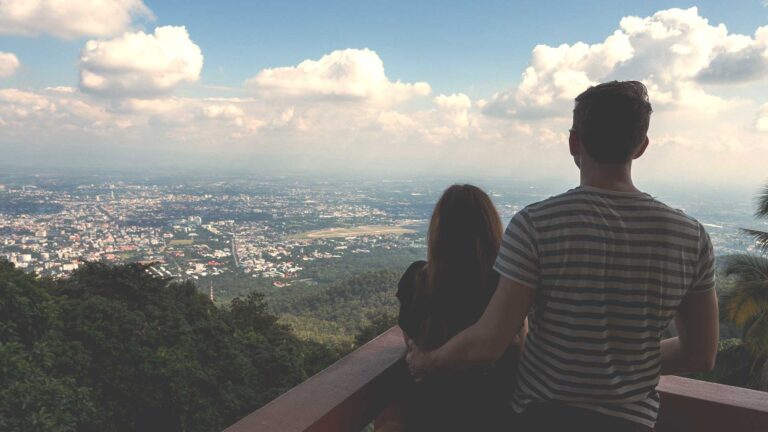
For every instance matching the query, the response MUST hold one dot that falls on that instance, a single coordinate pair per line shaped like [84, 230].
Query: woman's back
[431, 318]
[474, 399]
[446, 294]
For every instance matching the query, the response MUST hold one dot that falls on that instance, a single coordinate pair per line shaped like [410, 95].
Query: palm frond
[742, 309]
[757, 335]
[748, 268]
[762, 204]
[760, 237]
[748, 299]
[725, 295]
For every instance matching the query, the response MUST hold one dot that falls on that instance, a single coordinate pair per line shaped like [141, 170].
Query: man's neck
[616, 177]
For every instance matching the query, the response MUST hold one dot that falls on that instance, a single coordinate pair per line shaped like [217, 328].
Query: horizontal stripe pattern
[610, 270]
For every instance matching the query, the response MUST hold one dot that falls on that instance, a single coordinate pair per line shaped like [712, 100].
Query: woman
[443, 296]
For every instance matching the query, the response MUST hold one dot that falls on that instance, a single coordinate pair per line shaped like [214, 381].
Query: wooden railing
[366, 386]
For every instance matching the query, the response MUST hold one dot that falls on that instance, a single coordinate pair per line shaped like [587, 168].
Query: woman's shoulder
[415, 267]
[407, 283]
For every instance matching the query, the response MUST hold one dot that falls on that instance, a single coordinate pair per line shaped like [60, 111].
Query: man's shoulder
[562, 198]
[675, 212]
[574, 197]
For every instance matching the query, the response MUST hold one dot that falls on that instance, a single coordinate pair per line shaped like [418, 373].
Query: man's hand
[419, 361]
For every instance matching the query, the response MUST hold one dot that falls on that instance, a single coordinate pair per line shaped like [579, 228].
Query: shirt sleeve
[518, 258]
[705, 270]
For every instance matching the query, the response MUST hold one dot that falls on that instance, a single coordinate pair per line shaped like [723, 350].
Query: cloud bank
[343, 109]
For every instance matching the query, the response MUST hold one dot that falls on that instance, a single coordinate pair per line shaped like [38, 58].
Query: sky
[449, 88]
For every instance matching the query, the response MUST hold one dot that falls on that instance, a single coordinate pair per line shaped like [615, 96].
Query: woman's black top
[470, 400]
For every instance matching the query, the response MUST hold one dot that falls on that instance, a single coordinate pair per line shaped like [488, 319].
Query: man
[603, 269]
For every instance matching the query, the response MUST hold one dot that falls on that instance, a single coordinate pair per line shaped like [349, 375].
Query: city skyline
[397, 88]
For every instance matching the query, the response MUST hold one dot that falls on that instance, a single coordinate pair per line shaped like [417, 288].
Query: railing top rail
[719, 394]
[336, 398]
[353, 391]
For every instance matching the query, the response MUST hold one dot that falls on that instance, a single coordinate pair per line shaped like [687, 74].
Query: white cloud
[140, 64]
[190, 119]
[70, 18]
[673, 52]
[223, 111]
[8, 64]
[397, 122]
[744, 59]
[761, 122]
[452, 116]
[25, 103]
[558, 74]
[152, 107]
[343, 75]
[453, 102]
[51, 111]
[43, 115]
[449, 120]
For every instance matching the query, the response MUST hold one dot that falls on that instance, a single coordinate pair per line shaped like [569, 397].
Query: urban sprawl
[191, 233]
[263, 229]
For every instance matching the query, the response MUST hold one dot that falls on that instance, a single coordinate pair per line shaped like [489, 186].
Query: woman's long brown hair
[463, 240]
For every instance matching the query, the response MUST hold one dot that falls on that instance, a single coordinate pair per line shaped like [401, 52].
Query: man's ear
[574, 143]
[640, 150]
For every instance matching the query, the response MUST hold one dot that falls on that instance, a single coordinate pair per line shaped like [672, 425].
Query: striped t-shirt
[609, 269]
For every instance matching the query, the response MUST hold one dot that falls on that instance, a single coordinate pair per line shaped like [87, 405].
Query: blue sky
[454, 85]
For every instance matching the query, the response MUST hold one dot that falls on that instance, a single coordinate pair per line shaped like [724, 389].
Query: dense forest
[337, 312]
[117, 349]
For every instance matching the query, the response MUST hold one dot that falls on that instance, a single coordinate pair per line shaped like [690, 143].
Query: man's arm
[486, 340]
[698, 328]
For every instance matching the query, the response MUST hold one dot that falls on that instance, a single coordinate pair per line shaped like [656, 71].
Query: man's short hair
[612, 119]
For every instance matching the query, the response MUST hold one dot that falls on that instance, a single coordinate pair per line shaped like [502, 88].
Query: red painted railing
[366, 386]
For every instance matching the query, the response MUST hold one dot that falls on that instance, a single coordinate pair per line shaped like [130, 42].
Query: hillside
[117, 349]
[338, 312]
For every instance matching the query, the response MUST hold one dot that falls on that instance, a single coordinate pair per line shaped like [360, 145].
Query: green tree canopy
[118, 349]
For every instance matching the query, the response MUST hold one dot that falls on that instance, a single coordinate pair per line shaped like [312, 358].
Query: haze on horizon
[401, 89]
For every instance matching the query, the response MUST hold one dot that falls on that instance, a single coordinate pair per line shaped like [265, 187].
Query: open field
[354, 232]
